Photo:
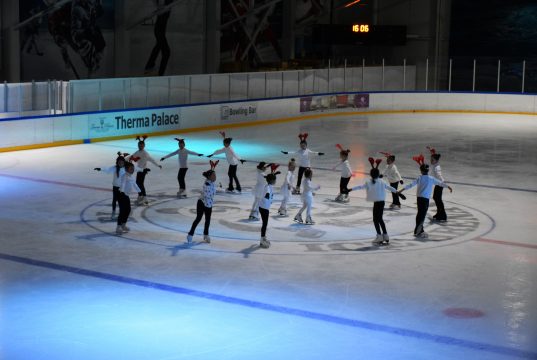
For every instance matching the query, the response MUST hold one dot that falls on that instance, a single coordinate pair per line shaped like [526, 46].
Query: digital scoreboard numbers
[359, 34]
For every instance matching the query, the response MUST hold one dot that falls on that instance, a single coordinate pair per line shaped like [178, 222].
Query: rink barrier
[71, 129]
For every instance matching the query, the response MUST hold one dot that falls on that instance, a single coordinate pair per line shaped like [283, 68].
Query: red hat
[213, 164]
[303, 137]
[374, 162]
[420, 159]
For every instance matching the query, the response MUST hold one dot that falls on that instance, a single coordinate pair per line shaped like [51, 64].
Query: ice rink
[71, 289]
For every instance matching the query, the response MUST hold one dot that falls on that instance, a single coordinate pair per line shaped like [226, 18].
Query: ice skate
[296, 192]
[386, 238]
[392, 206]
[346, 199]
[119, 230]
[181, 194]
[207, 239]
[378, 240]
[309, 221]
[230, 191]
[125, 228]
[265, 244]
[339, 198]
[282, 212]
[422, 235]
[113, 216]
[397, 207]
[139, 200]
[298, 219]
[146, 201]
[189, 239]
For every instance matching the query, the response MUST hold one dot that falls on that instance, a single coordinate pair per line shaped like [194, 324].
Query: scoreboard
[359, 34]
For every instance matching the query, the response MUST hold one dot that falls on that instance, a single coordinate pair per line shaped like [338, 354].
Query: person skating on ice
[391, 174]
[117, 170]
[258, 191]
[142, 157]
[307, 198]
[437, 192]
[233, 160]
[376, 193]
[287, 187]
[204, 205]
[128, 185]
[425, 184]
[346, 174]
[182, 153]
[265, 203]
[303, 156]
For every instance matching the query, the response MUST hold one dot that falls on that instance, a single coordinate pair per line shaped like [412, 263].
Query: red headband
[303, 137]
[223, 133]
[141, 138]
[420, 159]
[387, 154]
[374, 162]
[213, 164]
[432, 150]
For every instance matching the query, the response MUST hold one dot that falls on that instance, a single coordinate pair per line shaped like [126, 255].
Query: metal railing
[458, 74]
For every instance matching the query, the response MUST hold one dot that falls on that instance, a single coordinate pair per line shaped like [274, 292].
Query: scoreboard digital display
[359, 34]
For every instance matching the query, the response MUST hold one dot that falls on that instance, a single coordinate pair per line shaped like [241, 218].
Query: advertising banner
[241, 112]
[331, 102]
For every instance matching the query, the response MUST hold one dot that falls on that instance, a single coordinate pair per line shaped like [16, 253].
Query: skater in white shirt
[437, 193]
[258, 191]
[391, 174]
[303, 155]
[264, 206]
[376, 193]
[346, 174]
[128, 185]
[307, 198]
[204, 205]
[287, 187]
[233, 160]
[425, 185]
[117, 170]
[183, 165]
[142, 157]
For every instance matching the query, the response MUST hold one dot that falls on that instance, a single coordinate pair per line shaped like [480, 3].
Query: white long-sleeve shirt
[207, 194]
[308, 188]
[231, 157]
[303, 156]
[288, 182]
[425, 185]
[375, 192]
[183, 156]
[346, 171]
[260, 184]
[116, 180]
[128, 184]
[265, 203]
[392, 174]
[144, 158]
[437, 172]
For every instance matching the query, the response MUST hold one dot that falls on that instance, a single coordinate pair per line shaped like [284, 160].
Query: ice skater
[376, 193]
[264, 204]
[307, 198]
[287, 187]
[128, 185]
[425, 184]
[346, 174]
[394, 178]
[303, 155]
[117, 170]
[440, 215]
[233, 160]
[142, 157]
[183, 165]
[204, 205]
[259, 188]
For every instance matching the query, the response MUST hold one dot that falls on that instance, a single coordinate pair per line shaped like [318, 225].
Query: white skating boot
[189, 239]
[140, 200]
[146, 201]
[253, 216]
[378, 240]
[339, 198]
[125, 228]
[296, 192]
[181, 194]
[112, 217]
[265, 244]
[282, 212]
[298, 219]
[207, 239]
[422, 235]
[119, 230]
[309, 221]
[346, 198]
[386, 238]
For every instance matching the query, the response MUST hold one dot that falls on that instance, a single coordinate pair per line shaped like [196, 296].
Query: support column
[288, 38]
[9, 41]
[212, 36]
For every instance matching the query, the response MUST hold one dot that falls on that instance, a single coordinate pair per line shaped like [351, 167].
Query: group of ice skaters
[124, 183]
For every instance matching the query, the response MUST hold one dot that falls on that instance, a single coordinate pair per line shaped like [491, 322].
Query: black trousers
[300, 174]
[140, 179]
[378, 210]
[343, 182]
[232, 173]
[161, 45]
[423, 206]
[124, 209]
[437, 197]
[115, 197]
[395, 196]
[201, 210]
[264, 218]
[181, 178]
